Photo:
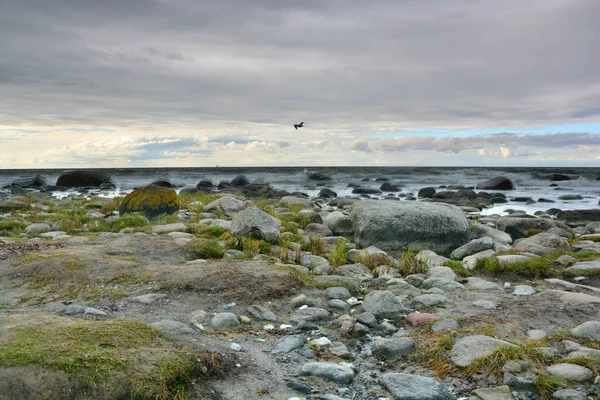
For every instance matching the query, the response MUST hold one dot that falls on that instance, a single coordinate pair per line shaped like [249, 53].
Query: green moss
[205, 249]
[94, 351]
[85, 349]
[532, 232]
[151, 201]
[458, 268]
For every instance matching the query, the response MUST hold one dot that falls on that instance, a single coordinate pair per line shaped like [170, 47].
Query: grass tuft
[409, 263]
[205, 249]
[339, 254]
[458, 268]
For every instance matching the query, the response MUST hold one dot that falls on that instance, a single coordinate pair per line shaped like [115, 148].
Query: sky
[184, 83]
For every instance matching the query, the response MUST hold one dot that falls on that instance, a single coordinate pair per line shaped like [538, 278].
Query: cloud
[361, 145]
[479, 142]
[506, 152]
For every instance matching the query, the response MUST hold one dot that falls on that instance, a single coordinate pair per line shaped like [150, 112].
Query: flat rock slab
[472, 348]
[172, 327]
[497, 393]
[329, 371]
[571, 298]
[309, 314]
[523, 290]
[178, 227]
[414, 387]
[585, 265]
[479, 284]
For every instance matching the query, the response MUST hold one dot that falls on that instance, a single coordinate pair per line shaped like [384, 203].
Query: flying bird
[300, 125]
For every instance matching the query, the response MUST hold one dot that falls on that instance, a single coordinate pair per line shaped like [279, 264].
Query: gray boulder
[228, 205]
[339, 223]
[261, 313]
[256, 223]
[309, 314]
[293, 200]
[473, 247]
[37, 228]
[571, 372]
[390, 349]
[383, 304]
[222, 320]
[414, 387]
[288, 343]
[317, 229]
[392, 225]
[542, 244]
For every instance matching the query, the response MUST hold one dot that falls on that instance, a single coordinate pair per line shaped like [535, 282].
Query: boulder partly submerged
[84, 178]
[400, 225]
[498, 183]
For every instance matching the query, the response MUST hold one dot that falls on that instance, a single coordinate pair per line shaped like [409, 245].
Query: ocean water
[529, 182]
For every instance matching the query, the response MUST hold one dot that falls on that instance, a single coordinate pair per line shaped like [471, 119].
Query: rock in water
[81, 178]
[498, 183]
[150, 200]
[396, 225]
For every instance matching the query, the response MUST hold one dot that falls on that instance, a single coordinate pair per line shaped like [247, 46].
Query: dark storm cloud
[340, 62]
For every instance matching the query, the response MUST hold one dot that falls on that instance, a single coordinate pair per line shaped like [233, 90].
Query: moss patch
[126, 357]
[151, 200]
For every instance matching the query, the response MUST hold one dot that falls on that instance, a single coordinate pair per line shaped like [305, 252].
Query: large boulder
[256, 223]
[579, 217]
[240, 180]
[391, 225]
[498, 183]
[151, 200]
[83, 178]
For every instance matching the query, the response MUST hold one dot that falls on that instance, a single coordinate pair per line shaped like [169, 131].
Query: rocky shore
[240, 291]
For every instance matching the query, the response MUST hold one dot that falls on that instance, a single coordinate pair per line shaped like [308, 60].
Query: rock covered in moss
[150, 200]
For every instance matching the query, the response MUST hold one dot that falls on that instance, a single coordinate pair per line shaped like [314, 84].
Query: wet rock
[498, 183]
[83, 178]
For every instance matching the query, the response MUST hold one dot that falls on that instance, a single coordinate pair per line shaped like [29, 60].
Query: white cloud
[506, 152]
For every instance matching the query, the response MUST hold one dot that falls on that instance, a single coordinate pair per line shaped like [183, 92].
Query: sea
[528, 181]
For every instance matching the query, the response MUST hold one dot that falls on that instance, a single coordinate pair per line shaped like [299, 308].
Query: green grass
[545, 385]
[135, 220]
[537, 267]
[12, 227]
[208, 232]
[315, 244]
[205, 249]
[87, 350]
[339, 254]
[458, 268]
[305, 280]
[493, 363]
[206, 198]
[372, 261]
[409, 263]
[93, 351]
[579, 255]
[164, 219]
